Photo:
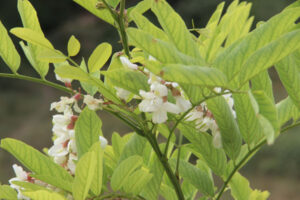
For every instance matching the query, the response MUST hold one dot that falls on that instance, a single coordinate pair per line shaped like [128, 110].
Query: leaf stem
[178, 156]
[37, 80]
[245, 158]
[123, 34]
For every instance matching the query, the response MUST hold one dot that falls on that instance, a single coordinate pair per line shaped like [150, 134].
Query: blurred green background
[24, 112]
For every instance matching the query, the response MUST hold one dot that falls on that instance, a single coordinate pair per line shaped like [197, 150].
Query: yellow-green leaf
[30, 20]
[175, 28]
[99, 57]
[51, 56]
[88, 129]
[123, 171]
[8, 193]
[8, 51]
[85, 171]
[32, 36]
[96, 185]
[44, 195]
[34, 160]
[73, 46]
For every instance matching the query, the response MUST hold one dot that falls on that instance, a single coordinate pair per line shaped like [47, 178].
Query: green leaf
[59, 182]
[151, 192]
[85, 171]
[229, 29]
[270, 55]
[29, 186]
[137, 181]
[240, 187]
[8, 51]
[99, 57]
[44, 195]
[268, 129]
[122, 173]
[286, 110]
[144, 24]
[96, 185]
[231, 60]
[263, 82]
[161, 50]
[88, 87]
[34, 160]
[8, 193]
[68, 71]
[130, 80]
[29, 16]
[51, 56]
[167, 192]
[231, 138]
[202, 145]
[103, 14]
[246, 117]
[197, 177]
[32, 36]
[195, 75]
[87, 130]
[175, 28]
[140, 8]
[73, 46]
[118, 143]
[258, 195]
[30, 21]
[289, 75]
[134, 146]
[267, 108]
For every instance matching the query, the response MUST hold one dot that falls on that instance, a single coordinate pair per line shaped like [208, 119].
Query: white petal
[123, 94]
[20, 173]
[217, 140]
[159, 89]
[159, 117]
[183, 104]
[172, 108]
[103, 142]
[126, 62]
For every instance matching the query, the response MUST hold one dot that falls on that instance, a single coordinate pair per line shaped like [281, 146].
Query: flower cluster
[63, 151]
[156, 100]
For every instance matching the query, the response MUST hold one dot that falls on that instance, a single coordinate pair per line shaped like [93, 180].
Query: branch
[37, 80]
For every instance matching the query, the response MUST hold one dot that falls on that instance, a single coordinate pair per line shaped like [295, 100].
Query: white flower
[61, 120]
[153, 79]
[64, 80]
[58, 150]
[153, 102]
[151, 58]
[63, 105]
[182, 103]
[71, 164]
[122, 93]
[126, 62]
[103, 142]
[21, 175]
[91, 102]
[217, 139]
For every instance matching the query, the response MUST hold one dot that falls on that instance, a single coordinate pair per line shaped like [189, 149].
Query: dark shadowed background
[24, 111]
